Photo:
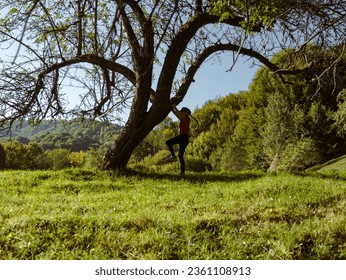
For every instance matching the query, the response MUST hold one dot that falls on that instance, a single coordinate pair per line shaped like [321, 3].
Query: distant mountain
[75, 135]
[26, 130]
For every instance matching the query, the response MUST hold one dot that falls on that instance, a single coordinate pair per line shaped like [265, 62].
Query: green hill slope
[334, 164]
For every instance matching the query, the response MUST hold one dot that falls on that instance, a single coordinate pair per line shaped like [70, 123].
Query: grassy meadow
[86, 214]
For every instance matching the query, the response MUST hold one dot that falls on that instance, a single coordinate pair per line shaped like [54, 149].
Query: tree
[217, 121]
[278, 129]
[292, 124]
[340, 115]
[142, 53]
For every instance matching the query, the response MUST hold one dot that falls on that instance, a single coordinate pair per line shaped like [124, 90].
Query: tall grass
[84, 214]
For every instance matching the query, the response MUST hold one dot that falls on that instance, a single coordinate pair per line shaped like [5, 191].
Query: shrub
[300, 155]
[93, 157]
[340, 115]
[56, 159]
[22, 156]
[229, 157]
[77, 159]
[196, 164]
[156, 161]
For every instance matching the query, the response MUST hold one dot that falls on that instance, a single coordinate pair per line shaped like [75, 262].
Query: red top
[184, 126]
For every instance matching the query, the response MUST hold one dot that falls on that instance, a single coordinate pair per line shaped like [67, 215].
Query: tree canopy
[144, 53]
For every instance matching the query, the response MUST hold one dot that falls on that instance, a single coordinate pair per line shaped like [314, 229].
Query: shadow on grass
[228, 176]
[197, 177]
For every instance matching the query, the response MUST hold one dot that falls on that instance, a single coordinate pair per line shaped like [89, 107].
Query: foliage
[56, 159]
[77, 159]
[103, 215]
[93, 158]
[217, 121]
[159, 163]
[278, 129]
[229, 156]
[31, 156]
[281, 117]
[340, 115]
[255, 12]
[75, 135]
[300, 155]
[22, 156]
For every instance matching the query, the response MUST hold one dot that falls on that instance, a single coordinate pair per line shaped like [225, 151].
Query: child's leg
[170, 143]
[184, 141]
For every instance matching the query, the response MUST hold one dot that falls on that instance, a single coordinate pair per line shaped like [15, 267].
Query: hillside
[337, 164]
[75, 135]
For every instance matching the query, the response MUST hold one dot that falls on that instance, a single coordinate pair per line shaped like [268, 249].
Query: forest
[272, 126]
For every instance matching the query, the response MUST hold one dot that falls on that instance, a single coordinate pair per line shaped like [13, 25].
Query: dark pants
[183, 141]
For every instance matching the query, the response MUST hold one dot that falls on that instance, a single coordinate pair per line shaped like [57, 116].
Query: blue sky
[213, 80]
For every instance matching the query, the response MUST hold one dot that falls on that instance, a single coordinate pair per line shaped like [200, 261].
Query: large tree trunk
[118, 155]
[136, 129]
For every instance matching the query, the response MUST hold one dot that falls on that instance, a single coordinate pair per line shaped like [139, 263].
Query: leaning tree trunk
[136, 129]
[118, 155]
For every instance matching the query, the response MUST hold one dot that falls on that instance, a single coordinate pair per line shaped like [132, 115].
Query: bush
[196, 164]
[93, 157]
[159, 163]
[31, 156]
[299, 155]
[56, 159]
[77, 159]
[340, 115]
[154, 162]
[229, 157]
[22, 156]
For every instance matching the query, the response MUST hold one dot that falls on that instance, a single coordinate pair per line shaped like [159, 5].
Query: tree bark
[136, 129]
[118, 155]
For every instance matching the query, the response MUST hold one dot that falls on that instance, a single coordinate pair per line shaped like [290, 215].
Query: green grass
[336, 164]
[82, 214]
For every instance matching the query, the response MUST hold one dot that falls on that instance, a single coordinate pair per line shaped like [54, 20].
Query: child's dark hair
[185, 109]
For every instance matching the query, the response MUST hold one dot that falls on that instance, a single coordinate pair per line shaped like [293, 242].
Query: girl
[183, 138]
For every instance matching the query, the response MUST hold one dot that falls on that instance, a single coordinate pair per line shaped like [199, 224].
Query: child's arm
[177, 113]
